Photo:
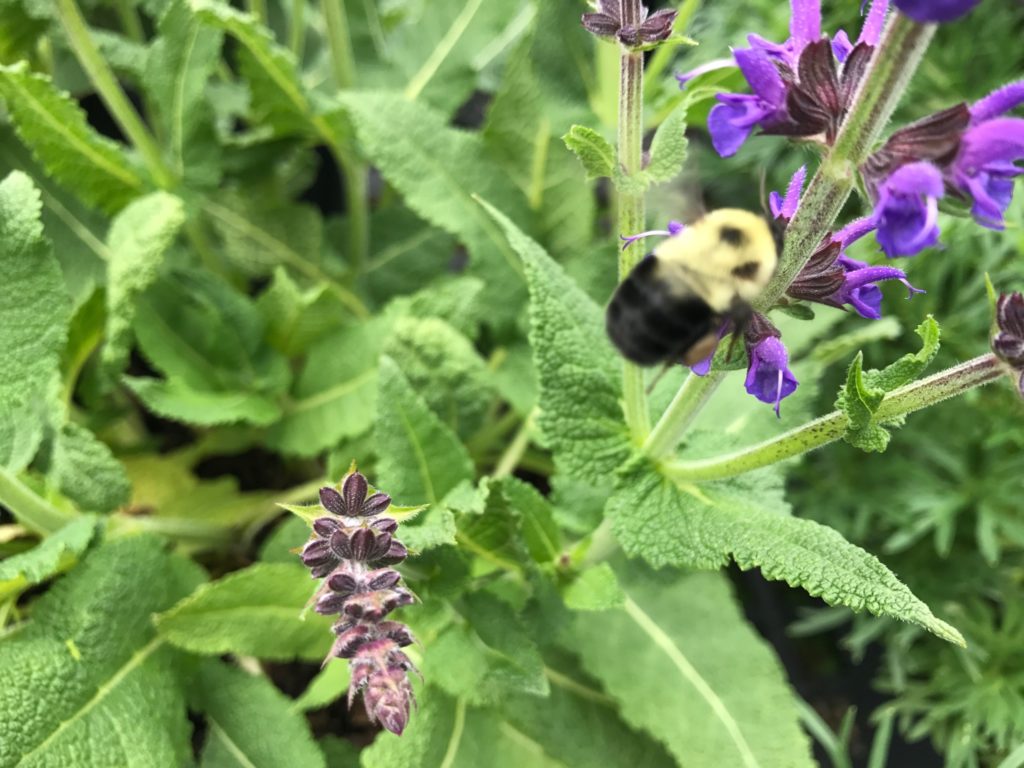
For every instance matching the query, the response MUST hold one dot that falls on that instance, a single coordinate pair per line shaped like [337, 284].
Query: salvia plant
[245, 245]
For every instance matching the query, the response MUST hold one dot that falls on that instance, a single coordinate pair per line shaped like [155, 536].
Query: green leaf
[579, 372]
[197, 329]
[864, 390]
[296, 318]
[445, 369]
[180, 62]
[335, 395]
[434, 529]
[668, 148]
[139, 236]
[175, 400]
[52, 124]
[579, 725]
[279, 97]
[438, 171]
[54, 554]
[685, 666]
[329, 685]
[439, 49]
[491, 528]
[746, 520]
[593, 151]
[446, 732]
[419, 458]
[541, 535]
[256, 611]
[487, 659]
[595, 589]
[34, 315]
[250, 722]
[83, 469]
[88, 676]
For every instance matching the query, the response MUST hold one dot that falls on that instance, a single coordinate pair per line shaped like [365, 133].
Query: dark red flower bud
[385, 524]
[383, 578]
[353, 490]
[396, 554]
[332, 501]
[376, 504]
[343, 583]
[821, 277]
[325, 526]
[1008, 343]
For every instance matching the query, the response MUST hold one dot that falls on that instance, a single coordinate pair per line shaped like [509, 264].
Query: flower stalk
[827, 429]
[631, 202]
[897, 57]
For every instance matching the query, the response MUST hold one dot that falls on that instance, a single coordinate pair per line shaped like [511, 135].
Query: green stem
[297, 29]
[694, 392]
[353, 170]
[631, 206]
[130, 21]
[827, 429]
[103, 79]
[29, 508]
[514, 453]
[899, 53]
[258, 8]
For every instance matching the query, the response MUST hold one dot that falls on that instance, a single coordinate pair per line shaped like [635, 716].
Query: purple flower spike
[906, 213]
[768, 376]
[985, 168]
[926, 11]
[350, 552]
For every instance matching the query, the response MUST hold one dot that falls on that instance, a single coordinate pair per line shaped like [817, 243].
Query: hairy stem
[102, 77]
[631, 205]
[691, 397]
[30, 509]
[899, 53]
[827, 429]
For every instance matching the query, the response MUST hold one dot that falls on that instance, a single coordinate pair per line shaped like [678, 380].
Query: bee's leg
[658, 377]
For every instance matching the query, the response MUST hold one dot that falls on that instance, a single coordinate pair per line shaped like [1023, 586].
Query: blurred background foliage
[277, 289]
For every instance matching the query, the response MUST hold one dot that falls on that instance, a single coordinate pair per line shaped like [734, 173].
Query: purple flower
[907, 209]
[784, 207]
[935, 10]
[801, 87]
[348, 549]
[985, 168]
[674, 228]
[859, 288]
[768, 376]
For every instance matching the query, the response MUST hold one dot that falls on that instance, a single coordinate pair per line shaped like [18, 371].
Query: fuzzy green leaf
[83, 469]
[541, 535]
[34, 316]
[250, 722]
[864, 390]
[335, 395]
[439, 170]
[329, 685]
[88, 676]
[579, 372]
[255, 611]
[180, 62]
[668, 148]
[746, 520]
[445, 369]
[434, 529]
[685, 666]
[139, 236]
[419, 458]
[593, 151]
[52, 124]
[177, 401]
[54, 554]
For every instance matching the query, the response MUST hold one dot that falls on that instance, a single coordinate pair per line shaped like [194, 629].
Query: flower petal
[805, 23]
[935, 10]
[999, 102]
[873, 24]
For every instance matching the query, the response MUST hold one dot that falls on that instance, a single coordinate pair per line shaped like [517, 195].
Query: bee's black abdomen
[649, 324]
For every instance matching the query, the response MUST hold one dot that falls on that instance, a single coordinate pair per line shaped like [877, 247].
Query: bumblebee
[671, 307]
